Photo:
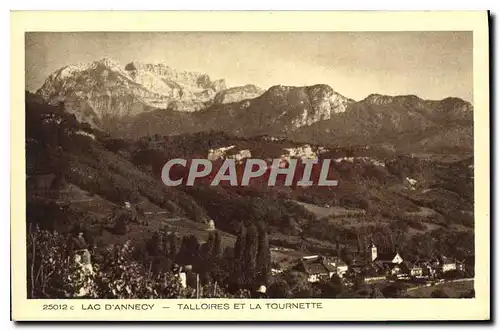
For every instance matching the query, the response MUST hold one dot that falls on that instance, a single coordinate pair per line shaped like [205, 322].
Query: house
[397, 269]
[417, 271]
[403, 270]
[447, 264]
[314, 268]
[318, 267]
[357, 267]
[460, 265]
[410, 182]
[340, 266]
[443, 264]
[420, 269]
[371, 273]
[276, 271]
[374, 279]
[211, 225]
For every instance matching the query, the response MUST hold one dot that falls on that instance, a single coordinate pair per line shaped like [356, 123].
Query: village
[379, 267]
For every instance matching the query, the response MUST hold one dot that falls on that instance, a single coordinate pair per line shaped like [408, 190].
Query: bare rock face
[303, 106]
[325, 102]
[406, 121]
[103, 90]
[185, 85]
[237, 94]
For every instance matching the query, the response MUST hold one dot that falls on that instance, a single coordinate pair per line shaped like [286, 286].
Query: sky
[432, 65]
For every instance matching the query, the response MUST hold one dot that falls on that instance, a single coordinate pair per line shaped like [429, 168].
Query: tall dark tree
[206, 263]
[346, 255]
[250, 255]
[263, 256]
[211, 263]
[333, 287]
[217, 248]
[121, 224]
[189, 251]
[173, 245]
[239, 251]
[337, 244]
[153, 246]
[279, 289]
[298, 283]
[210, 245]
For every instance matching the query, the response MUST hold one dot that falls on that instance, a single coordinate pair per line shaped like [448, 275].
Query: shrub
[53, 273]
[279, 289]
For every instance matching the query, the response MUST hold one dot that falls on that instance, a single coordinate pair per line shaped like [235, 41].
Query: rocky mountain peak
[379, 99]
[103, 89]
[108, 62]
[190, 79]
[451, 105]
[310, 104]
[237, 94]
[457, 104]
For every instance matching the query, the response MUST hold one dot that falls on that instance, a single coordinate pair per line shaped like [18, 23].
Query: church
[391, 263]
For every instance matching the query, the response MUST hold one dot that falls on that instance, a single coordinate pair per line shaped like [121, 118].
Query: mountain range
[103, 133]
[142, 99]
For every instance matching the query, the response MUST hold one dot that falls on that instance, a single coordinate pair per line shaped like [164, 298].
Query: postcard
[250, 166]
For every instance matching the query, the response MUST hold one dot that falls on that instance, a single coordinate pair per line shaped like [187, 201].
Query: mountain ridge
[110, 90]
[143, 99]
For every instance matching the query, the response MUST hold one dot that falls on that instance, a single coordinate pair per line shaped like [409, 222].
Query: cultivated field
[453, 289]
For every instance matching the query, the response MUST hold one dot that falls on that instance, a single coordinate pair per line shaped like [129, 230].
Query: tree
[299, 286]
[346, 255]
[250, 255]
[213, 250]
[121, 225]
[153, 246]
[189, 251]
[211, 263]
[238, 254]
[333, 287]
[263, 257]
[118, 274]
[217, 247]
[160, 265]
[173, 243]
[279, 289]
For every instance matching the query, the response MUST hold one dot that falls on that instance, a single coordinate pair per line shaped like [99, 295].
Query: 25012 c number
[55, 307]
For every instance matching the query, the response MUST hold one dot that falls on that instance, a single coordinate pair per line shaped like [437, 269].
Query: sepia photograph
[103, 117]
[250, 165]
